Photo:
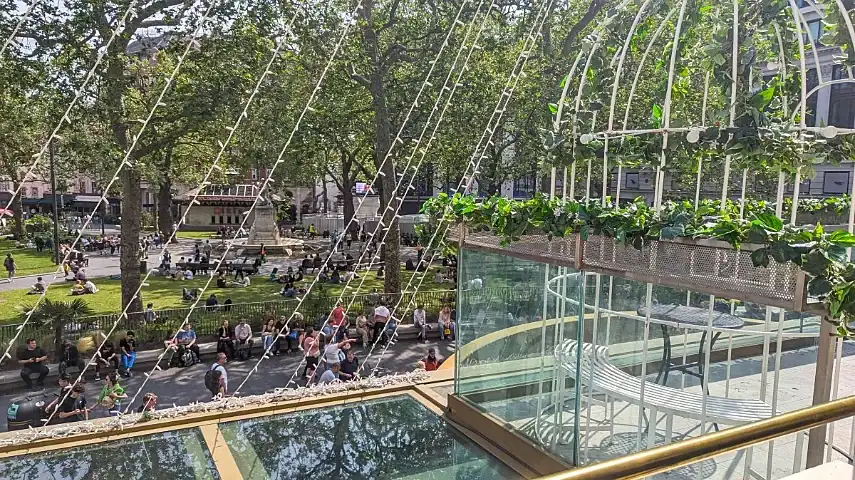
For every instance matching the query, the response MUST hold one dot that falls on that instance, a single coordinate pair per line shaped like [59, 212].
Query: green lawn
[29, 261]
[165, 293]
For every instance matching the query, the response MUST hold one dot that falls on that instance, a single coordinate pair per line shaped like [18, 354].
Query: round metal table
[689, 316]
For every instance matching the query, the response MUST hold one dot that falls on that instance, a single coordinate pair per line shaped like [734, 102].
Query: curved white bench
[596, 372]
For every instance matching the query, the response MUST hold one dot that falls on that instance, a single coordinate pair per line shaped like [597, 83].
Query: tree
[59, 315]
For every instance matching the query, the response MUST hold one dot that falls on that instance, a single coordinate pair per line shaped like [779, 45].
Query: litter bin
[143, 267]
[25, 412]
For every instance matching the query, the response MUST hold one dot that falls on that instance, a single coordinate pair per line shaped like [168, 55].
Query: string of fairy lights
[449, 86]
[120, 26]
[426, 83]
[347, 24]
[466, 183]
[126, 162]
[17, 28]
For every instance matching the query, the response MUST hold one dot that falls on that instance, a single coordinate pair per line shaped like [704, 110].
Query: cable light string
[498, 112]
[126, 162]
[122, 421]
[54, 135]
[102, 52]
[349, 22]
[215, 165]
[398, 139]
[24, 17]
[423, 151]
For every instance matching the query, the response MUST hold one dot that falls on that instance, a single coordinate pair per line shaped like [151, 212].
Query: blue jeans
[268, 340]
[128, 360]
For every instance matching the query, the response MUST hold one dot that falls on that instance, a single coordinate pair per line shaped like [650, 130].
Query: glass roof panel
[391, 438]
[178, 455]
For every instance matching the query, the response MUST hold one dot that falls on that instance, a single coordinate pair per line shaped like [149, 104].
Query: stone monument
[264, 230]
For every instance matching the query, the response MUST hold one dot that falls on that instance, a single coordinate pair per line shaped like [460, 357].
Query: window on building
[835, 182]
[94, 187]
[812, 82]
[254, 174]
[814, 27]
[4, 186]
[82, 187]
[631, 180]
[804, 187]
[841, 108]
[34, 192]
[221, 219]
[229, 219]
[213, 220]
[524, 187]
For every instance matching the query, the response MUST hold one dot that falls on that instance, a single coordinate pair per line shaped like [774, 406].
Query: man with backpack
[216, 378]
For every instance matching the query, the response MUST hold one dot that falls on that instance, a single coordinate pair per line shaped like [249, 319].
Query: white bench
[598, 373]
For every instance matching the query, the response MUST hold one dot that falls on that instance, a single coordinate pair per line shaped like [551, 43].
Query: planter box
[705, 266]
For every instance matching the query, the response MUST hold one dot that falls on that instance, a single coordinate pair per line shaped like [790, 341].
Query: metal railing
[206, 320]
[669, 457]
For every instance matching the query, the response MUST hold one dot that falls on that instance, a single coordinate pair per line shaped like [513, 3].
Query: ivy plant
[822, 255]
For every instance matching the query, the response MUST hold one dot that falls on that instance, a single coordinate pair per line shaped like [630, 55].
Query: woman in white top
[331, 354]
[420, 322]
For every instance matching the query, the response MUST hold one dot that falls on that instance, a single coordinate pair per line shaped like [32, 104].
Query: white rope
[392, 197]
[348, 22]
[102, 52]
[122, 421]
[23, 18]
[216, 167]
[498, 112]
[103, 198]
[126, 162]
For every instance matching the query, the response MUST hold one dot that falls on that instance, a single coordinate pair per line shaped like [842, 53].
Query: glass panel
[696, 379]
[393, 438]
[179, 455]
[513, 313]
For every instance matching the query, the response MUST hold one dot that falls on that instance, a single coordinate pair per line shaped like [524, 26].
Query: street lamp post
[56, 258]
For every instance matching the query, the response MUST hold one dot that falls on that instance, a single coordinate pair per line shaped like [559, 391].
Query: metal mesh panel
[696, 267]
[531, 247]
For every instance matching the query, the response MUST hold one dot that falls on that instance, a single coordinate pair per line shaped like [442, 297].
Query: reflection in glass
[393, 438]
[179, 455]
[512, 314]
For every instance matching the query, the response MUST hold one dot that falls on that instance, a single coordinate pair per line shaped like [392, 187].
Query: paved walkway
[181, 386]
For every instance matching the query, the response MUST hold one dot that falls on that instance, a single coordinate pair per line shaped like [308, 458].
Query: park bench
[602, 376]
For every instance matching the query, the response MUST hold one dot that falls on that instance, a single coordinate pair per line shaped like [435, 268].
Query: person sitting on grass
[288, 291]
[242, 283]
[188, 274]
[38, 288]
[221, 280]
[77, 289]
[380, 273]
[189, 294]
[274, 277]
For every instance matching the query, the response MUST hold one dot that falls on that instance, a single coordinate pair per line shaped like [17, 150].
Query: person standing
[10, 265]
[312, 349]
[112, 394]
[216, 378]
[32, 358]
[128, 348]
[73, 407]
[381, 316]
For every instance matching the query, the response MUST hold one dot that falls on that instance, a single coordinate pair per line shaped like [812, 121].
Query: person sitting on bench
[185, 340]
[69, 356]
[32, 360]
[38, 288]
[243, 338]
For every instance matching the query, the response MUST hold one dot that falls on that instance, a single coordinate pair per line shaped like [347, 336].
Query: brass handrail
[675, 455]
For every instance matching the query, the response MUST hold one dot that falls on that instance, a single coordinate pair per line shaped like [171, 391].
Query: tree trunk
[391, 250]
[164, 207]
[18, 214]
[129, 261]
[347, 181]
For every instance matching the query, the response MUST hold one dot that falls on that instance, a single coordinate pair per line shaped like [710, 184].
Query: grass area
[187, 235]
[165, 293]
[28, 260]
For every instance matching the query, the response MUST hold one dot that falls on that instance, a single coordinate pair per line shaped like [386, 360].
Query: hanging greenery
[820, 254]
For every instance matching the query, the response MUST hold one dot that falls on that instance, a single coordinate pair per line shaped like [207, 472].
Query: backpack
[212, 379]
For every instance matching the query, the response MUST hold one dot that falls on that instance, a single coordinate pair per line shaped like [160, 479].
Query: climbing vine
[822, 255]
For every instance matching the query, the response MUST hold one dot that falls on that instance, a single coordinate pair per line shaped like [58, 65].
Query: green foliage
[821, 255]
[39, 223]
